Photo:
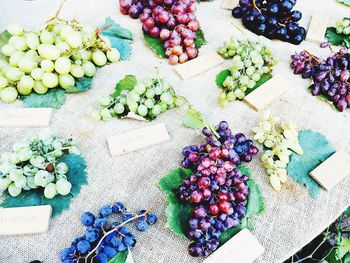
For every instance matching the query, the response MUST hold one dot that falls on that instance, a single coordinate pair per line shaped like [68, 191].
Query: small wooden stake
[317, 28]
[27, 117]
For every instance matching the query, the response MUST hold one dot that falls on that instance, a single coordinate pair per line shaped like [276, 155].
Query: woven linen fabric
[292, 218]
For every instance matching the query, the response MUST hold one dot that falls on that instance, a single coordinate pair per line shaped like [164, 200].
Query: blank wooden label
[138, 139]
[198, 65]
[317, 28]
[229, 4]
[27, 117]
[266, 93]
[242, 248]
[332, 171]
[25, 220]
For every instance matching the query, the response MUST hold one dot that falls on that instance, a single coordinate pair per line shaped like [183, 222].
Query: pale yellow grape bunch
[343, 26]
[280, 139]
[55, 56]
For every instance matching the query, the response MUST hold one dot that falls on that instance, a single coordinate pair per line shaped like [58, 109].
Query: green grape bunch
[34, 163]
[343, 26]
[279, 139]
[51, 57]
[250, 61]
[147, 99]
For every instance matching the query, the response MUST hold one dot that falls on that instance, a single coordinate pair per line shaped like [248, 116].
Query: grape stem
[111, 231]
[313, 56]
[57, 13]
[254, 4]
[60, 149]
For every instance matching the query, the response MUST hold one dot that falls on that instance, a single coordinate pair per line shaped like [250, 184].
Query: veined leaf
[200, 40]
[81, 84]
[324, 98]
[334, 38]
[121, 257]
[156, 44]
[127, 83]
[343, 248]
[316, 149]
[77, 177]
[221, 77]
[193, 119]
[54, 98]
[120, 38]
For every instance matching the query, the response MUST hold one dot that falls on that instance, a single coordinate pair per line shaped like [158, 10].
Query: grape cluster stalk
[173, 21]
[273, 19]
[217, 190]
[330, 76]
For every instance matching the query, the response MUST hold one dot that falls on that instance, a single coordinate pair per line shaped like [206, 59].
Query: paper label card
[229, 4]
[138, 139]
[25, 220]
[198, 65]
[266, 93]
[242, 248]
[27, 117]
[332, 170]
[317, 28]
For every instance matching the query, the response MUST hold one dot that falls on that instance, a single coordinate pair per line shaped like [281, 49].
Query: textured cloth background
[292, 217]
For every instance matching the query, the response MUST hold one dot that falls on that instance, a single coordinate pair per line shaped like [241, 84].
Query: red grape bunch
[173, 21]
[330, 76]
[217, 190]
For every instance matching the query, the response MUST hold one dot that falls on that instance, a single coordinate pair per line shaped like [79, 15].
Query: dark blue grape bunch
[235, 148]
[330, 76]
[102, 239]
[273, 19]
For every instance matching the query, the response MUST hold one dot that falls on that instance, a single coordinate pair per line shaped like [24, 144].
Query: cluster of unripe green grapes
[280, 139]
[250, 60]
[148, 99]
[52, 57]
[34, 162]
[343, 26]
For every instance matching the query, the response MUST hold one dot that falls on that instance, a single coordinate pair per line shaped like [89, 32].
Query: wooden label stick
[317, 28]
[25, 220]
[332, 171]
[198, 65]
[26, 117]
[137, 139]
[242, 248]
[266, 93]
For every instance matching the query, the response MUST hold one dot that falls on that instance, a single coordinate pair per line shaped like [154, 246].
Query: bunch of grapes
[34, 162]
[278, 138]
[173, 21]
[250, 60]
[148, 99]
[272, 19]
[343, 26]
[53, 57]
[217, 189]
[103, 240]
[330, 76]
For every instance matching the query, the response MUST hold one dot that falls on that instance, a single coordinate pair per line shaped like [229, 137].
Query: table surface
[292, 217]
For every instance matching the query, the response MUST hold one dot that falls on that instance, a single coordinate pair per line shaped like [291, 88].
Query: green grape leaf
[156, 44]
[178, 213]
[4, 39]
[120, 38]
[76, 175]
[127, 83]
[200, 40]
[220, 78]
[193, 119]
[81, 84]
[120, 257]
[343, 248]
[324, 98]
[316, 149]
[345, 2]
[333, 37]
[54, 98]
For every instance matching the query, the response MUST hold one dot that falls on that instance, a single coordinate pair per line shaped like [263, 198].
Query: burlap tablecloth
[292, 217]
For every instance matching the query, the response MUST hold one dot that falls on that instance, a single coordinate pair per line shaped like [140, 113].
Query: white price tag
[317, 28]
[26, 117]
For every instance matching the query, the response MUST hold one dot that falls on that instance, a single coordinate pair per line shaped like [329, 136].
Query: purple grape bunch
[217, 190]
[101, 240]
[173, 21]
[273, 19]
[330, 76]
